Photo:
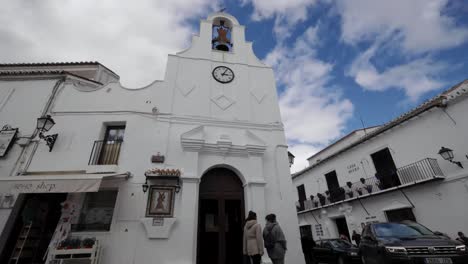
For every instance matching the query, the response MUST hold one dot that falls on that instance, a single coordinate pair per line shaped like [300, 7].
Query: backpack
[269, 239]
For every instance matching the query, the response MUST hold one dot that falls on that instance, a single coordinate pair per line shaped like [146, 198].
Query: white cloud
[301, 152]
[421, 23]
[414, 78]
[131, 38]
[313, 113]
[415, 28]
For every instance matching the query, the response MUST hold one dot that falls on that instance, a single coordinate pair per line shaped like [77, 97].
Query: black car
[335, 251]
[408, 243]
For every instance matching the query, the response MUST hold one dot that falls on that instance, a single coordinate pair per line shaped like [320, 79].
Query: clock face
[223, 74]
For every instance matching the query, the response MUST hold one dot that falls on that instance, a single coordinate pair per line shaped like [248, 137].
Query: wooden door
[220, 218]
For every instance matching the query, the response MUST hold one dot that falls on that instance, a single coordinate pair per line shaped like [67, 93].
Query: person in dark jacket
[308, 244]
[275, 242]
[356, 237]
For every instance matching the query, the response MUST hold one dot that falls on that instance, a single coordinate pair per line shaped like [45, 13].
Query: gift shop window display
[33, 229]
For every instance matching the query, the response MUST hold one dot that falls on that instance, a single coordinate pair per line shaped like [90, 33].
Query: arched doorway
[220, 218]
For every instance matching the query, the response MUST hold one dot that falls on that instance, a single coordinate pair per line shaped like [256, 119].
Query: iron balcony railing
[105, 152]
[421, 171]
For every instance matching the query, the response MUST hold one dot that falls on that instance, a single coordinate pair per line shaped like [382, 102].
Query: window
[319, 230]
[96, 212]
[336, 194]
[386, 171]
[302, 195]
[401, 230]
[399, 215]
[107, 151]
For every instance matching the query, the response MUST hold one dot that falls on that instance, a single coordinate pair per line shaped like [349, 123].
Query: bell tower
[223, 107]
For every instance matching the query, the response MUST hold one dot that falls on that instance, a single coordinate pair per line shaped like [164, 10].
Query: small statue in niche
[160, 201]
[221, 40]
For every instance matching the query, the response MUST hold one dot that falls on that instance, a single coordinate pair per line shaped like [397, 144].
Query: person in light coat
[275, 242]
[253, 241]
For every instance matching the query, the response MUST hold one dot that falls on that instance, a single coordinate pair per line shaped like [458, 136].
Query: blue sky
[335, 61]
[387, 43]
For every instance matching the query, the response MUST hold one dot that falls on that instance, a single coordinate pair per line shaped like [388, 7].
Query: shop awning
[60, 183]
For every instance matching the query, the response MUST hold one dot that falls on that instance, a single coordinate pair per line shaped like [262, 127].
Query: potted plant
[74, 243]
[369, 188]
[88, 242]
[327, 193]
[321, 199]
[359, 190]
[362, 180]
[63, 244]
[314, 202]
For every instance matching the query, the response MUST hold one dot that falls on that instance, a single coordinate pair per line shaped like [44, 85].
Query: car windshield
[401, 230]
[340, 243]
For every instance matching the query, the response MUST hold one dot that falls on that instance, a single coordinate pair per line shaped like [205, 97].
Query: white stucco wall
[190, 104]
[438, 205]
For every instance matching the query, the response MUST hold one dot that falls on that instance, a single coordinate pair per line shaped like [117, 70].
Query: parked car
[408, 242]
[335, 251]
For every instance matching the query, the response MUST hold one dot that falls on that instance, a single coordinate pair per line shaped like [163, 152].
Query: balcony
[104, 156]
[419, 172]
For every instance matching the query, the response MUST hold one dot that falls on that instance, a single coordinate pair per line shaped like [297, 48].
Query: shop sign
[7, 135]
[41, 187]
[352, 168]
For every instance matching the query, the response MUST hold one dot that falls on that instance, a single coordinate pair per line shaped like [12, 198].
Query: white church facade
[414, 167]
[161, 174]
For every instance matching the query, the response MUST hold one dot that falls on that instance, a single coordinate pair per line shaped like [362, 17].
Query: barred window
[96, 212]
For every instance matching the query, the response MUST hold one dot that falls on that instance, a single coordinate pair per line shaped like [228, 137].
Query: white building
[209, 137]
[391, 173]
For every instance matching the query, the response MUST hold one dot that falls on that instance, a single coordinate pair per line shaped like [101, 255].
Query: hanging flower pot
[359, 191]
[321, 199]
[349, 184]
[369, 188]
[362, 180]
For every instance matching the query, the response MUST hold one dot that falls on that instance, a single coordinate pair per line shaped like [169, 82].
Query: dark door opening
[342, 227]
[33, 229]
[386, 169]
[302, 196]
[220, 218]
[399, 215]
[307, 242]
[334, 187]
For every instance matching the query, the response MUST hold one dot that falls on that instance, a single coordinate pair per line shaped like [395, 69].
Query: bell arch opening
[222, 34]
[220, 217]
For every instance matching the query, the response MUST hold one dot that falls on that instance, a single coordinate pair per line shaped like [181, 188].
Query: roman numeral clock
[223, 74]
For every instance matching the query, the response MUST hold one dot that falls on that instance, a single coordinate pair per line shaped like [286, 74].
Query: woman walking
[253, 241]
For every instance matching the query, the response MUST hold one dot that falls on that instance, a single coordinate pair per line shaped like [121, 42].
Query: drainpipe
[14, 214]
[24, 158]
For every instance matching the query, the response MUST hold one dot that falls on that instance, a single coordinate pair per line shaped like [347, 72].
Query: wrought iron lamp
[145, 186]
[291, 158]
[447, 154]
[44, 124]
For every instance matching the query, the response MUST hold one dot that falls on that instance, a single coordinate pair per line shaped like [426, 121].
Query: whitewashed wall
[187, 99]
[439, 205]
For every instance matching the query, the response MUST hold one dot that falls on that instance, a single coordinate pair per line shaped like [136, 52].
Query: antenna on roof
[362, 123]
